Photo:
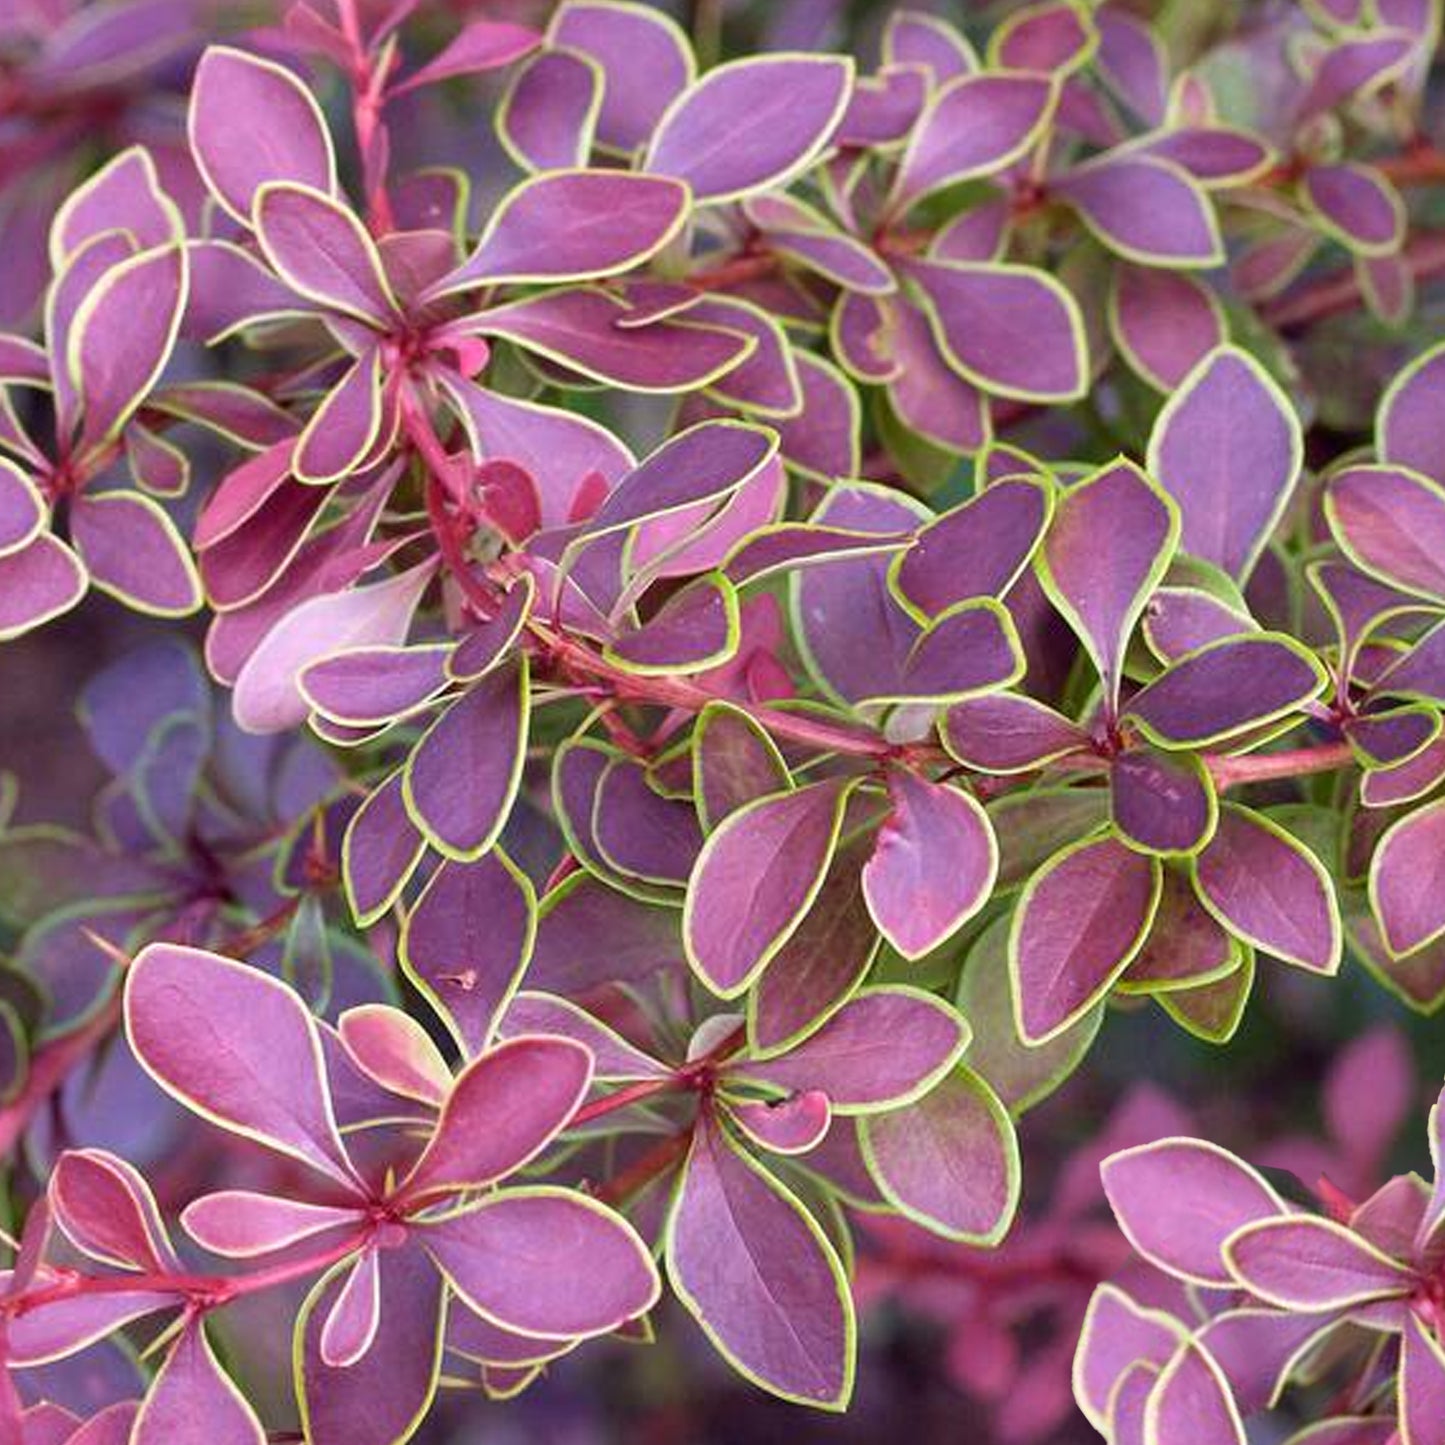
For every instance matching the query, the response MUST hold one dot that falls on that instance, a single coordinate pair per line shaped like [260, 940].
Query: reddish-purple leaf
[548, 116]
[933, 865]
[122, 337]
[1406, 880]
[751, 124]
[355, 1315]
[1191, 1402]
[1351, 65]
[1390, 522]
[797, 232]
[1422, 1385]
[193, 1398]
[252, 121]
[1179, 1200]
[368, 686]
[755, 879]
[268, 694]
[917, 40]
[1053, 35]
[572, 225]
[479, 46]
[1078, 923]
[1009, 733]
[1225, 688]
[1227, 447]
[785, 1126]
[975, 126]
[1012, 330]
[1410, 431]
[883, 1048]
[243, 1225]
[107, 1210]
[1267, 887]
[266, 1082]
[1357, 206]
[1308, 1263]
[948, 1161]
[480, 739]
[1146, 209]
[1165, 322]
[504, 1108]
[468, 973]
[545, 1262]
[695, 629]
[1160, 802]
[318, 246]
[644, 55]
[131, 549]
[758, 1274]
[383, 1396]
[124, 195]
[380, 851]
[978, 549]
[1111, 539]
[735, 762]
[393, 1049]
[579, 328]
[1117, 1333]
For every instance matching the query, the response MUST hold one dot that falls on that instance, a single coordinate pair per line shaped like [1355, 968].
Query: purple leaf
[926, 391]
[933, 865]
[380, 851]
[1226, 688]
[751, 124]
[394, 1050]
[132, 550]
[735, 762]
[1422, 1385]
[614, 1059]
[758, 1274]
[547, 119]
[381, 1398]
[192, 1395]
[368, 686]
[695, 629]
[1390, 522]
[1357, 206]
[320, 249]
[766, 381]
[579, 328]
[1405, 881]
[1161, 803]
[572, 225]
[467, 973]
[244, 1225]
[480, 738]
[820, 966]
[978, 549]
[1164, 322]
[1186, 948]
[504, 1108]
[1258, 1350]
[643, 939]
[755, 880]
[1134, 62]
[1191, 1402]
[122, 337]
[1179, 1200]
[975, 126]
[268, 694]
[785, 1126]
[1227, 447]
[23, 511]
[1117, 1333]
[1350, 66]
[948, 1161]
[355, 1314]
[1011, 330]
[252, 121]
[1050, 36]
[645, 57]
[1410, 431]
[639, 833]
[54, 1331]
[1267, 887]
[266, 1082]
[1145, 209]
[1009, 733]
[544, 1262]
[798, 233]
[970, 649]
[479, 46]
[1309, 1263]
[884, 1048]
[1110, 542]
[1079, 922]
[123, 195]
[914, 39]
[106, 1209]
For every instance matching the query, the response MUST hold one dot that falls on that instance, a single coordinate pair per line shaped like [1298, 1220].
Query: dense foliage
[747, 602]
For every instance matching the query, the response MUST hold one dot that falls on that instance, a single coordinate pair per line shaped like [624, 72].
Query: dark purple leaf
[1161, 802]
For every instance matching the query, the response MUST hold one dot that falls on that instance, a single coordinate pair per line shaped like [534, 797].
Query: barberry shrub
[748, 603]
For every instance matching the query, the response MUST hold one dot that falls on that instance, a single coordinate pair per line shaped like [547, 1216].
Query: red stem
[1271, 767]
